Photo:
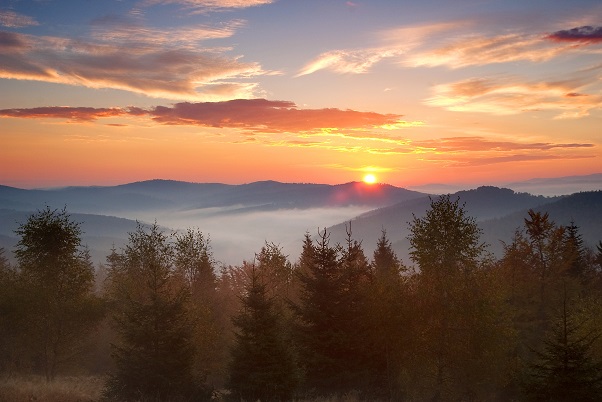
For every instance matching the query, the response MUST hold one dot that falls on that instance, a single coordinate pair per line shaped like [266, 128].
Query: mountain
[239, 218]
[498, 211]
[559, 185]
[175, 195]
[541, 186]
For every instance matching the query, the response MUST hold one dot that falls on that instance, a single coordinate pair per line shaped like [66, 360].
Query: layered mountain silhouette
[240, 218]
[499, 212]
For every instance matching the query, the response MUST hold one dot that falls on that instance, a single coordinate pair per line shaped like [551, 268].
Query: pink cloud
[256, 115]
[11, 19]
[264, 115]
[64, 112]
[201, 6]
[509, 95]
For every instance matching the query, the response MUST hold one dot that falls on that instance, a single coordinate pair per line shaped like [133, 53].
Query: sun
[369, 178]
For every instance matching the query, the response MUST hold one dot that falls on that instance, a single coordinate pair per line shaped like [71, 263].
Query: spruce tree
[153, 359]
[319, 322]
[574, 252]
[263, 365]
[565, 369]
[332, 330]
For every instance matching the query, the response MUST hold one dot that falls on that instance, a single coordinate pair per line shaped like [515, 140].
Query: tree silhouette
[263, 363]
[153, 360]
[565, 369]
[57, 277]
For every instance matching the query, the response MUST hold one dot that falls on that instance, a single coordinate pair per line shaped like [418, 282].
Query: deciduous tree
[57, 275]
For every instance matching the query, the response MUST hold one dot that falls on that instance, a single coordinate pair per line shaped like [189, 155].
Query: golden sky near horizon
[470, 91]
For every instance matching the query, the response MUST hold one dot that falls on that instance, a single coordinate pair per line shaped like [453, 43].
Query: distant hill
[239, 218]
[559, 185]
[540, 186]
[499, 212]
[176, 195]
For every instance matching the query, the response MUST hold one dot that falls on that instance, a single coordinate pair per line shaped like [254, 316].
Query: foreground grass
[63, 389]
[84, 389]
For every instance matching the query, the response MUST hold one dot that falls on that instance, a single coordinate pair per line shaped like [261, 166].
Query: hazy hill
[176, 195]
[239, 218]
[498, 212]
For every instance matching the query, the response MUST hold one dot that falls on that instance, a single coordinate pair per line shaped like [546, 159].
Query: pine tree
[389, 319]
[575, 252]
[263, 363]
[332, 326]
[154, 356]
[385, 263]
[565, 369]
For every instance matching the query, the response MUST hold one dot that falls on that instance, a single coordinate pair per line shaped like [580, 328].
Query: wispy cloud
[468, 161]
[151, 62]
[201, 6]
[478, 144]
[509, 95]
[64, 112]
[348, 61]
[456, 44]
[471, 50]
[585, 34]
[11, 19]
[393, 44]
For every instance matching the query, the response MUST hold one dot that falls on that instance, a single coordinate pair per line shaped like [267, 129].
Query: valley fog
[236, 235]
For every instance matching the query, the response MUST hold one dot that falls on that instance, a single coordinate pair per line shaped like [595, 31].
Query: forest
[161, 320]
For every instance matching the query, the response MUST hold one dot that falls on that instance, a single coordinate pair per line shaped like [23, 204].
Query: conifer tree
[565, 369]
[263, 365]
[574, 252]
[332, 326]
[389, 318]
[385, 262]
[154, 356]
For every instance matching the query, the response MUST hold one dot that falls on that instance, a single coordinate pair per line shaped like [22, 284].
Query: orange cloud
[267, 116]
[477, 144]
[473, 50]
[256, 115]
[70, 113]
[511, 96]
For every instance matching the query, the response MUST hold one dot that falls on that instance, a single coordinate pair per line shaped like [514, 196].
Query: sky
[236, 91]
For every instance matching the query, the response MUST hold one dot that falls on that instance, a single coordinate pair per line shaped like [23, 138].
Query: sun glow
[369, 178]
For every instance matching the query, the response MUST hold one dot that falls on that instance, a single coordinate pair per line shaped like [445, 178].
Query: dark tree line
[453, 325]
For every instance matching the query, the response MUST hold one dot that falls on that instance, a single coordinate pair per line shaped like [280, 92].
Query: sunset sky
[236, 91]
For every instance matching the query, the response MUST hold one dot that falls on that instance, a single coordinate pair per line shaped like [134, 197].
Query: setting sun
[369, 178]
